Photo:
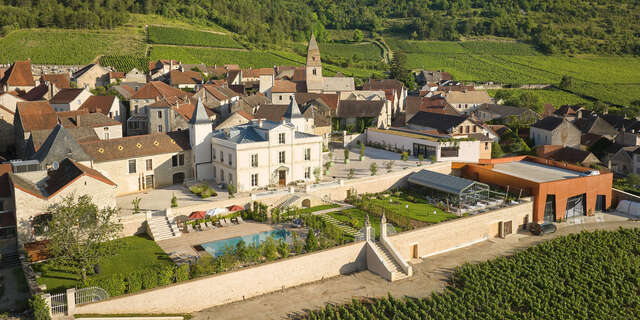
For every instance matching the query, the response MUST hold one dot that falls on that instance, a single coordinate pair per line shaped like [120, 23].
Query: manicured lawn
[347, 216]
[135, 253]
[418, 209]
[318, 208]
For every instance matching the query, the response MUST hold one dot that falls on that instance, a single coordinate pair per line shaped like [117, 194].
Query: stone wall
[460, 232]
[228, 287]
[132, 224]
[619, 195]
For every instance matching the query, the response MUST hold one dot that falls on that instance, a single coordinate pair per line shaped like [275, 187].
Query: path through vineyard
[429, 275]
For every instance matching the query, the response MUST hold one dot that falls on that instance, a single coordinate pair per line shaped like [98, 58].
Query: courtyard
[160, 198]
[382, 158]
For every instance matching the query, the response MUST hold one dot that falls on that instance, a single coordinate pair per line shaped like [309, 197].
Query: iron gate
[59, 303]
[90, 294]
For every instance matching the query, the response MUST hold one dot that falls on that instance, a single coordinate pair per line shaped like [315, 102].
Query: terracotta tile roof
[186, 110]
[157, 89]
[19, 74]
[257, 72]
[286, 86]
[434, 104]
[61, 80]
[185, 77]
[7, 109]
[116, 75]
[36, 115]
[66, 96]
[330, 99]
[245, 115]
[220, 92]
[100, 104]
[138, 146]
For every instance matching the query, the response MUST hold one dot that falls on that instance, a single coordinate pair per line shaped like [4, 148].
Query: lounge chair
[225, 222]
[239, 219]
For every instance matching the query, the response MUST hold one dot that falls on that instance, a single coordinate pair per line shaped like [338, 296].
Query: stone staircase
[289, 200]
[389, 262]
[345, 228]
[162, 229]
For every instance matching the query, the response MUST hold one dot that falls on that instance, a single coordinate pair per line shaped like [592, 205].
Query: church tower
[313, 68]
[200, 129]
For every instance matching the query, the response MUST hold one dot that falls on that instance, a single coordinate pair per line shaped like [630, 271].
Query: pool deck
[183, 246]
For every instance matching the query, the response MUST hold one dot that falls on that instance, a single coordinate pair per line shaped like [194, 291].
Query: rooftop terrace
[535, 172]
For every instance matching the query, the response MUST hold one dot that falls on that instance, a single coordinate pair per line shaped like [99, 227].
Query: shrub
[182, 273]
[312, 242]
[39, 308]
[113, 284]
[165, 275]
[174, 202]
[232, 190]
[410, 198]
[206, 193]
[405, 156]
[134, 282]
[149, 279]
[197, 189]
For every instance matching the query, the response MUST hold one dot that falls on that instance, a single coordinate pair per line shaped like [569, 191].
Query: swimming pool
[216, 248]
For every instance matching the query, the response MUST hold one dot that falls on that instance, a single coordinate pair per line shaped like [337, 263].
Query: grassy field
[135, 253]
[179, 36]
[356, 217]
[141, 20]
[210, 56]
[52, 46]
[418, 209]
[553, 96]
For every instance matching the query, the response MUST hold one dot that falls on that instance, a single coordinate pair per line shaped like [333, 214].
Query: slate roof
[137, 146]
[5, 187]
[595, 125]
[82, 134]
[157, 89]
[199, 114]
[35, 94]
[548, 123]
[248, 103]
[442, 182]
[100, 104]
[240, 134]
[59, 145]
[271, 112]
[360, 109]
[66, 96]
[570, 155]
[61, 80]
[19, 74]
[441, 122]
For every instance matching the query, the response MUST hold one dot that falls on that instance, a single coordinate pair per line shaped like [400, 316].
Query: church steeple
[313, 72]
[294, 116]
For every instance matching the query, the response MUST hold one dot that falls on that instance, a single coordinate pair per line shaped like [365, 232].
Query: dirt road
[429, 275]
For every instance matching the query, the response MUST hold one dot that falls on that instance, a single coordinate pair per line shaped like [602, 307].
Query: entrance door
[601, 201]
[178, 178]
[550, 209]
[148, 181]
[282, 178]
[575, 206]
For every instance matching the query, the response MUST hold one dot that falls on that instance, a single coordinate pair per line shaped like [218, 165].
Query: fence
[90, 294]
[59, 304]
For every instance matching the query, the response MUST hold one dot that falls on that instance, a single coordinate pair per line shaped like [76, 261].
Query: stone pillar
[47, 300]
[368, 230]
[383, 227]
[71, 301]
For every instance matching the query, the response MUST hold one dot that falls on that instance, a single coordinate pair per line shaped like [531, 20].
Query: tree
[496, 150]
[398, 69]
[39, 308]
[79, 233]
[373, 168]
[566, 82]
[311, 244]
[136, 204]
[357, 35]
[174, 201]
[531, 101]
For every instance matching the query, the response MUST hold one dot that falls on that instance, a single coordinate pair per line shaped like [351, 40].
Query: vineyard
[591, 275]
[365, 51]
[126, 63]
[178, 36]
[553, 96]
[70, 47]
[211, 56]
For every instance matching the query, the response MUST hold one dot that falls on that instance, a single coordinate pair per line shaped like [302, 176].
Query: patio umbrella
[217, 211]
[235, 208]
[197, 215]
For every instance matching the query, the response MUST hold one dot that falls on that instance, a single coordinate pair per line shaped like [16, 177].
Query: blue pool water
[216, 248]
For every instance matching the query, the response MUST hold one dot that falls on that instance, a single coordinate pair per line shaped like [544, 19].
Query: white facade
[277, 156]
[73, 104]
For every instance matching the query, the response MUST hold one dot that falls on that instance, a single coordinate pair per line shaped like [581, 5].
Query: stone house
[235, 119]
[568, 155]
[185, 79]
[555, 131]
[416, 104]
[466, 102]
[278, 112]
[70, 99]
[35, 192]
[283, 90]
[219, 97]
[425, 76]
[444, 124]
[158, 69]
[265, 153]
[395, 90]
[142, 162]
[249, 104]
[115, 77]
[171, 114]
[353, 114]
[10, 100]
[110, 106]
[91, 76]
[150, 93]
[18, 77]
[135, 75]
[597, 126]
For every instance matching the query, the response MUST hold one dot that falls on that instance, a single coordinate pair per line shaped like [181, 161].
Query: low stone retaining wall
[206, 292]
[460, 232]
[619, 195]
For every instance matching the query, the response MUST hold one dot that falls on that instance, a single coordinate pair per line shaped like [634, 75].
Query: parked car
[542, 229]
